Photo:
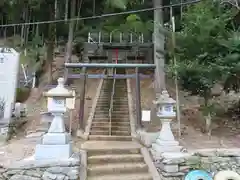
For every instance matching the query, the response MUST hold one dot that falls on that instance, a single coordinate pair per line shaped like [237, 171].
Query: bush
[22, 94]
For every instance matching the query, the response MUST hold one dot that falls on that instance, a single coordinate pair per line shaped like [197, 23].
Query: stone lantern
[56, 142]
[165, 111]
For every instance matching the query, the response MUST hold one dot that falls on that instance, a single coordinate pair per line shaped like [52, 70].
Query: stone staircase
[118, 126]
[116, 161]
[111, 152]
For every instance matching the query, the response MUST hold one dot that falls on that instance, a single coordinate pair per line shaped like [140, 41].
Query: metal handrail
[111, 102]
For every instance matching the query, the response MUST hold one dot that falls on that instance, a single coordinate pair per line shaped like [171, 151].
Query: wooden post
[70, 120]
[70, 103]
[138, 100]
[176, 73]
[82, 101]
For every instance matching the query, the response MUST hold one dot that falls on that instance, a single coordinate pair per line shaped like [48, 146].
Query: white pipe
[99, 37]
[34, 81]
[110, 39]
[89, 37]
[120, 37]
[24, 72]
[131, 38]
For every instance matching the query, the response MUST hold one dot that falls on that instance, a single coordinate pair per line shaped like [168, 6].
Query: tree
[200, 56]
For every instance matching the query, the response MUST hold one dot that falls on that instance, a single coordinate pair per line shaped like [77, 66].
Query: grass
[24, 59]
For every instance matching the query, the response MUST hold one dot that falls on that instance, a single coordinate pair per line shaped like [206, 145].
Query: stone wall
[29, 169]
[177, 165]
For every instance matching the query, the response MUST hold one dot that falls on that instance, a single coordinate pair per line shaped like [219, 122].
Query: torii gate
[116, 76]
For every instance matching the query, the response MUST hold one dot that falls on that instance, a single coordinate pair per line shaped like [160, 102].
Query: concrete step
[107, 120]
[114, 116]
[124, 109]
[115, 158]
[117, 97]
[116, 102]
[115, 111]
[106, 132]
[109, 138]
[101, 100]
[105, 123]
[114, 128]
[130, 176]
[116, 106]
[109, 168]
[115, 151]
[105, 109]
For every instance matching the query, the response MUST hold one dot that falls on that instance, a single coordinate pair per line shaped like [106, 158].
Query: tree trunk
[207, 116]
[55, 17]
[70, 33]
[27, 27]
[23, 28]
[50, 42]
[66, 9]
[79, 13]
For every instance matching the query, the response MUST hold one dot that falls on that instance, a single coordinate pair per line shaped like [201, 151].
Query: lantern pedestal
[53, 151]
[165, 141]
[56, 143]
[56, 133]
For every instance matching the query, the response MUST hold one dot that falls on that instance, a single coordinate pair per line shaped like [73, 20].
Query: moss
[22, 94]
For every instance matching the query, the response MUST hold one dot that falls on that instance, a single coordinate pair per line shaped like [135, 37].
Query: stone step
[116, 106]
[118, 92]
[115, 151]
[116, 102]
[107, 120]
[117, 89]
[114, 128]
[105, 123]
[114, 116]
[115, 158]
[115, 111]
[130, 176]
[109, 138]
[114, 133]
[109, 168]
[106, 109]
[116, 98]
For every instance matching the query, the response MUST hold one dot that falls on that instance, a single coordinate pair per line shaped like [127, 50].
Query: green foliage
[22, 94]
[200, 56]
[121, 4]
[230, 63]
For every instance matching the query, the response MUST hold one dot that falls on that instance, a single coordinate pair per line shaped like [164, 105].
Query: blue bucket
[198, 175]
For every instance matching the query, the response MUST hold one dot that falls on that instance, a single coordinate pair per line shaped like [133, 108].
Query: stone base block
[167, 143]
[166, 148]
[169, 168]
[56, 138]
[53, 151]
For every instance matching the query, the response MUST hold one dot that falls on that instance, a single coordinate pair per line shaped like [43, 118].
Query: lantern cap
[59, 91]
[164, 98]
